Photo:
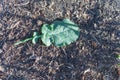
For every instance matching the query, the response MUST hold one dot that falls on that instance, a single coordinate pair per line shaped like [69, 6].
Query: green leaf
[45, 35]
[118, 56]
[60, 33]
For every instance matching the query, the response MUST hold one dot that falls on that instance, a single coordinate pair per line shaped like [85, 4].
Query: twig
[21, 4]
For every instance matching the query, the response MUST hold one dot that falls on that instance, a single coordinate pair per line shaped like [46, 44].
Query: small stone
[2, 68]
[1, 51]
[95, 25]
[39, 23]
[85, 16]
[1, 33]
[113, 36]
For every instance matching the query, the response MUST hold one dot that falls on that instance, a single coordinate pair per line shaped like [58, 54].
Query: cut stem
[23, 41]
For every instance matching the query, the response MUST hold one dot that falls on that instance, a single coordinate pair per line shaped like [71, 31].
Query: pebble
[1, 33]
[1, 51]
[2, 69]
[39, 23]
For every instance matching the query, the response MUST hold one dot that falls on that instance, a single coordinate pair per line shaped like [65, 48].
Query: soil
[91, 57]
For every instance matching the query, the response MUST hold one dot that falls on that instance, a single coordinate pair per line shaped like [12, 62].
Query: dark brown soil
[91, 57]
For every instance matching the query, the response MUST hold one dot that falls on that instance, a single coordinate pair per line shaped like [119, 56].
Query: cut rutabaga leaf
[45, 37]
[60, 33]
[23, 41]
[34, 39]
[118, 56]
[71, 24]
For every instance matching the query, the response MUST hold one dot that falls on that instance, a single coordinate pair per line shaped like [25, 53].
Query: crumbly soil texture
[91, 57]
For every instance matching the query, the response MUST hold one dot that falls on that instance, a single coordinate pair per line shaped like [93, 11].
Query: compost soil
[91, 57]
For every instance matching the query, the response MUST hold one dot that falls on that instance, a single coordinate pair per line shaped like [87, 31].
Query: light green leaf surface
[118, 56]
[45, 35]
[60, 33]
